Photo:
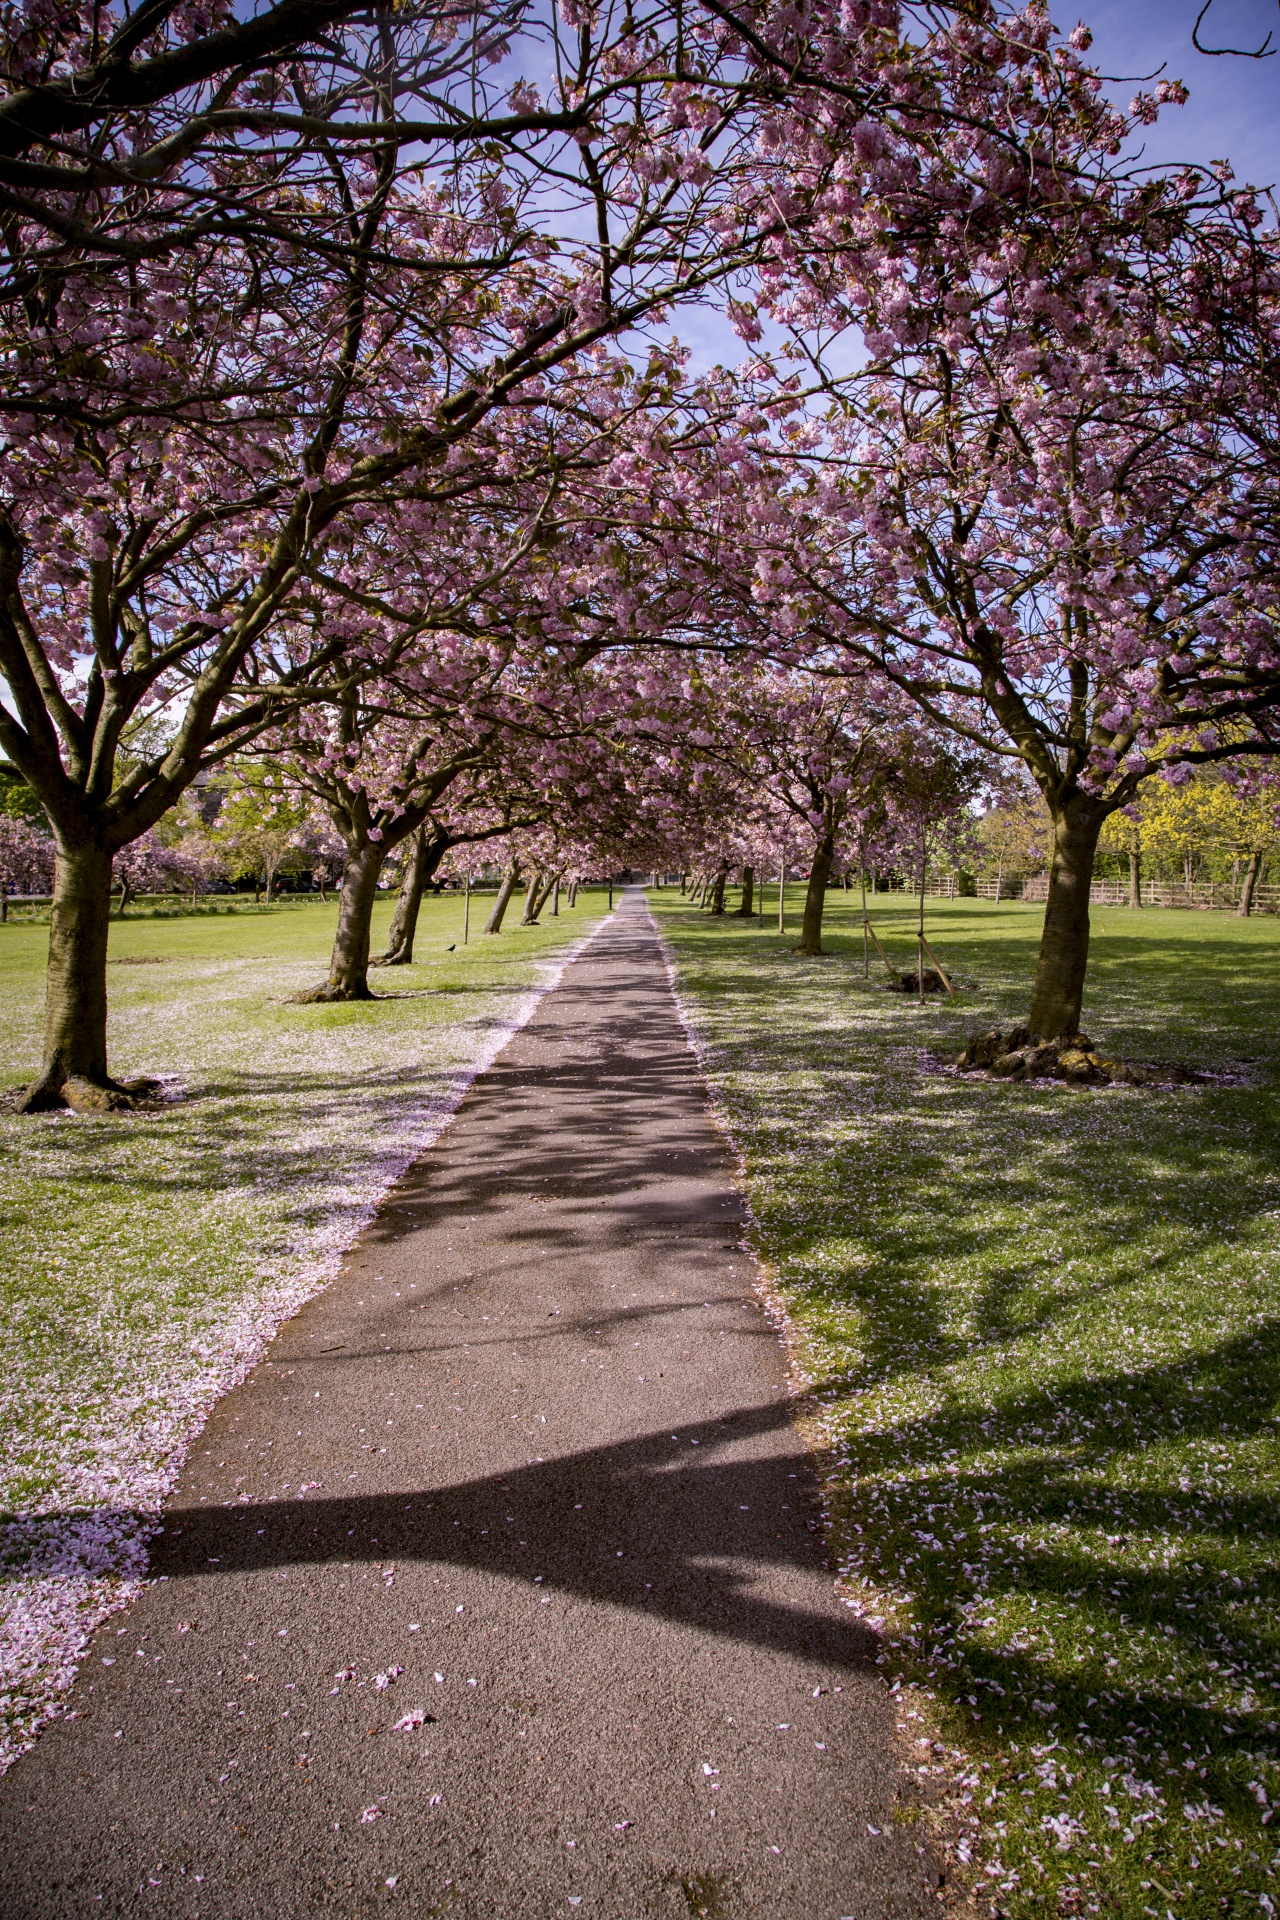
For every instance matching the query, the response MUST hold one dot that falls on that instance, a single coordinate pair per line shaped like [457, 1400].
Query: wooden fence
[1216, 896]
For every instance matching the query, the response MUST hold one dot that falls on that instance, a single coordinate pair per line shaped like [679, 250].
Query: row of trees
[344, 432]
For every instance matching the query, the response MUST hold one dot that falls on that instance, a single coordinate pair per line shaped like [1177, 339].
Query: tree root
[1022, 1055]
[55, 1092]
[910, 982]
[315, 996]
[397, 957]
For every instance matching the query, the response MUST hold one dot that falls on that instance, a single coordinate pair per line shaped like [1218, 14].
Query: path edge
[84, 1567]
[952, 1828]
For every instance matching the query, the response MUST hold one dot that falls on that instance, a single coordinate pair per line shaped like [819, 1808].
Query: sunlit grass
[145, 1258]
[1040, 1323]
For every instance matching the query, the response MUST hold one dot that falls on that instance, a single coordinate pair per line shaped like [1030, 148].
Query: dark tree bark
[1064, 944]
[349, 962]
[510, 881]
[536, 897]
[573, 891]
[748, 894]
[75, 1022]
[1135, 878]
[717, 890]
[532, 904]
[555, 898]
[540, 892]
[1244, 906]
[428, 850]
[815, 898]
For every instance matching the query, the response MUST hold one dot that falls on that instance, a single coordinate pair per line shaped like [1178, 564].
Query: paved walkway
[496, 1592]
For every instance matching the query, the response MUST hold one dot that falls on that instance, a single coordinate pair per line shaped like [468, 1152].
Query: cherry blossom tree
[26, 856]
[1029, 517]
[264, 281]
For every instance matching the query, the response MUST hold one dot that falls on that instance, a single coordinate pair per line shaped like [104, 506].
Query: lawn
[1039, 1325]
[145, 1259]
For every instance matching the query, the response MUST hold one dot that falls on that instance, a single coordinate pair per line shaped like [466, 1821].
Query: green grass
[1040, 1323]
[144, 1258]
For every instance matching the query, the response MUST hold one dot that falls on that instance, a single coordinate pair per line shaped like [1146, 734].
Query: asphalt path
[497, 1591]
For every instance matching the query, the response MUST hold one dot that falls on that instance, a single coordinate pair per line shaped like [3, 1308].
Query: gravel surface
[530, 1615]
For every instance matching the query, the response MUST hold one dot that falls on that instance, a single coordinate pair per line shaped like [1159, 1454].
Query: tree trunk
[573, 891]
[530, 915]
[555, 898]
[126, 895]
[1245, 905]
[349, 962]
[510, 881]
[75, 1022]
[424, 857]
[815, 898]
[1064, 943]
[748, 893]
[717, 890]
[924, 875]
[1135, 879]
[537, 896]
[866, 945]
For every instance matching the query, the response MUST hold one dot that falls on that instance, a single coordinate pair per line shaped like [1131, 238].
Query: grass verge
[146, 1258]
[1040, 1324]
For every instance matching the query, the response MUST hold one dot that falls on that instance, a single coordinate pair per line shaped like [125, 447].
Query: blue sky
[1234, 109]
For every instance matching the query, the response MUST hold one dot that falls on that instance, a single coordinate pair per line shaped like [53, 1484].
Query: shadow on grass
[1073, 1497]
[1084, 1537]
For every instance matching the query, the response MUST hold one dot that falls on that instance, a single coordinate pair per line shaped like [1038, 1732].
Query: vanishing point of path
[496, 1592]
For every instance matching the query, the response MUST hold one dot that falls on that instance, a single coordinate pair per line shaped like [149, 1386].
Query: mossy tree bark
[1244, 906]
[1058, 991]
[748, 893]
[510, 881]
[75, 1024]
[815, 898]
